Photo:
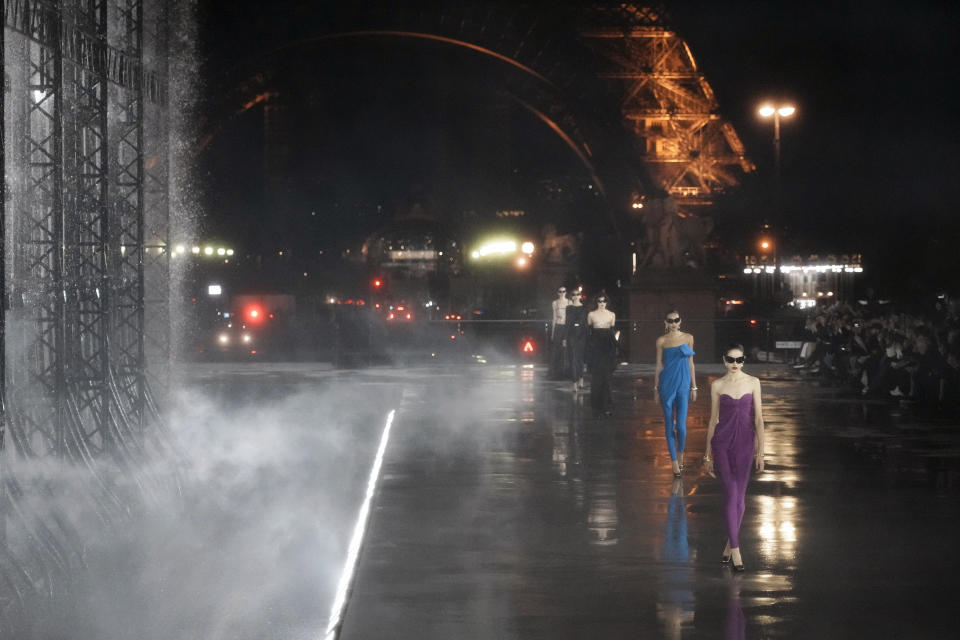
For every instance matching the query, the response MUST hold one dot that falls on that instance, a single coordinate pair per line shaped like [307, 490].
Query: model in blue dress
[675, 384]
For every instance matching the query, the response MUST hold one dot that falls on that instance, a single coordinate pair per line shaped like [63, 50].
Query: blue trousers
[676, 427]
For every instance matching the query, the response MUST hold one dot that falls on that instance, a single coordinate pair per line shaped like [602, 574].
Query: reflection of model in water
[735, 627]
[676, 607]
[601, 356]
[735, 438]
[558, 331]
[675, 383]
[576, 340]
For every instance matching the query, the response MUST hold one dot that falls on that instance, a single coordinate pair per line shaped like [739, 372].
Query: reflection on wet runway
[530, 518]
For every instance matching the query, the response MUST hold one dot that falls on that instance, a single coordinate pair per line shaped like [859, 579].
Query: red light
[409, 316]
[377, 283]
[254, 352]
[453, 337]
[401, 308]
[271, 316]
[753, 322]
[254, 314]
[361, 303]
[390, 316]
[528, 346]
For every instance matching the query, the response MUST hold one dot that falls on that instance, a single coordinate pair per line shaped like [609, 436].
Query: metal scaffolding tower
[79, 245]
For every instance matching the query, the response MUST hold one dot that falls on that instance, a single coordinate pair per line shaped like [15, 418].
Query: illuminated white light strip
[346, 577]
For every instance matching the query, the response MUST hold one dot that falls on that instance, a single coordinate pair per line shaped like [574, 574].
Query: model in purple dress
[735, 440]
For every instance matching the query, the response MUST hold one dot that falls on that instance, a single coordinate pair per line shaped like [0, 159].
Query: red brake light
[528, 346]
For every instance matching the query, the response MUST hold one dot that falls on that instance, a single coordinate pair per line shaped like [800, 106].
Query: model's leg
[682, 402]
[742, 464]
[667, 403]
[723, 466]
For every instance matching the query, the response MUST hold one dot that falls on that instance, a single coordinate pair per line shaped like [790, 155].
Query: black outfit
[558, 365]
[576, 339]
[601, 360]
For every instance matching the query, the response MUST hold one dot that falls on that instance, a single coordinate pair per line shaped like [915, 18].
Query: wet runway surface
[506, 511]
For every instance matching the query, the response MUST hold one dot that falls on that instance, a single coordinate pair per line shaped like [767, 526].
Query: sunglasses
[673, 320]
[731, 359]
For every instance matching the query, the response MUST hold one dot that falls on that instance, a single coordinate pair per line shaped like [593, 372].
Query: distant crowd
[910, 356]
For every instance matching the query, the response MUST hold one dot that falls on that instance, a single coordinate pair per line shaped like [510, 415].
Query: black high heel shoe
[725, 559]
[738, 568]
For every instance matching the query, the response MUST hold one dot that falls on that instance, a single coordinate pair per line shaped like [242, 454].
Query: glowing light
[195, 250]
[787, 111]
[527, 248]
[208, 251]
[214, 290]
[221, 251]
[377, 283]
[179, 248]
[475, 254]
[496, 248]
[254, 314]
[521, 262]
[229, 252]
[224, 338]
[637, 205]
[766, 110]
[356, 540]
[764, 245]
[528, 346]
[246, 338]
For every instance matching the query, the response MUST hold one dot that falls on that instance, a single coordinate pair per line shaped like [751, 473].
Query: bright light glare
[786, 112]
[496, 248]
[229, 252]
[221, 251]
[195, 250]
[346, 577]
[180, 248]
[521, 262]
[224, 338]
[767, 110]
[208, 251]
[214, 290]
[527, 248]
[246, 338]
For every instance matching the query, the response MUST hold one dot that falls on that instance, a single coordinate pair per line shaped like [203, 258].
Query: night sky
[870, 161]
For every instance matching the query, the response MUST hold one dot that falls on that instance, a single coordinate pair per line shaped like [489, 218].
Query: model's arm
[656, 373]
[693, 373]
[758, 424]
[714, 419]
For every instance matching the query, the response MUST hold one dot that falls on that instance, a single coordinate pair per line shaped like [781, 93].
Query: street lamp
[776, 112]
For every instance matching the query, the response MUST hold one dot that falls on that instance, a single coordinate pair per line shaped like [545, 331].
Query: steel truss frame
[80, 224]
[692, 152]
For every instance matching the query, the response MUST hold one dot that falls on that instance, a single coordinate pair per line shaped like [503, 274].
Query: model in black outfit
[576, 340]
[601, 356]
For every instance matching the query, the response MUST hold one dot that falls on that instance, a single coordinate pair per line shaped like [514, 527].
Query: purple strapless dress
[732, 446]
